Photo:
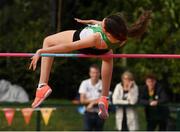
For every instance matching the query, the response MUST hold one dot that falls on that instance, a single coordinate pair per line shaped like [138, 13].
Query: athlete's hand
[80, 20]
[34, 60]
[87, 21]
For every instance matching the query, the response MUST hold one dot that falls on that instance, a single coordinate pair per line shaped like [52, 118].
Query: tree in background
[23, 26]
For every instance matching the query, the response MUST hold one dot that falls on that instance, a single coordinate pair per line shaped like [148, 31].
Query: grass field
[65, 118]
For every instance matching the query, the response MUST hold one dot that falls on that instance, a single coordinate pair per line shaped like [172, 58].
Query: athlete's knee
[47, 42]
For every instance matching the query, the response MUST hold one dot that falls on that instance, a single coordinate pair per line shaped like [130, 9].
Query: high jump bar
[160, 56]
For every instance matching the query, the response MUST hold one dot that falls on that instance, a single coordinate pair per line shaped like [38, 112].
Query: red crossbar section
[16, 54]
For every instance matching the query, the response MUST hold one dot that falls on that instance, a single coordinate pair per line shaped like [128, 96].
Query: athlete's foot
[41, 94]
[103, 107]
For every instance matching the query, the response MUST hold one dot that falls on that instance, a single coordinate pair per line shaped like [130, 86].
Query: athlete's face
[110, 37]
[103, 26]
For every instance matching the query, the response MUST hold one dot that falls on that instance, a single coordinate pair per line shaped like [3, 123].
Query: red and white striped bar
[160, 56]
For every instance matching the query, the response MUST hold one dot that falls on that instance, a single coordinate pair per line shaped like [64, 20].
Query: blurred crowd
[125, 97]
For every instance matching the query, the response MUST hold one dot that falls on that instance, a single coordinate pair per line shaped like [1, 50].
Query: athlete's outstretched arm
[87, 21]
[90, 41]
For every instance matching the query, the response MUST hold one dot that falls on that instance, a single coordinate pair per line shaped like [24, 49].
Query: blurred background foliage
[25, 23]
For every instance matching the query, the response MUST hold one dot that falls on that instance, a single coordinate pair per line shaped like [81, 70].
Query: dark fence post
[38, 120]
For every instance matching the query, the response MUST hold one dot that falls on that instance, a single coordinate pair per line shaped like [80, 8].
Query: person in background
[152, 95]
[126, 93]
[90, 92]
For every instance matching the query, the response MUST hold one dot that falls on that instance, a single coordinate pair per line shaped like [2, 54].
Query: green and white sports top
[91, 29]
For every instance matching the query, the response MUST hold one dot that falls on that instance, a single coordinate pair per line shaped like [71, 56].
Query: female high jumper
[97, 38]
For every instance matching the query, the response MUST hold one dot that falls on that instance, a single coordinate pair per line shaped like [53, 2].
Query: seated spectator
[90, 92]
[152, 95]
[126, 93]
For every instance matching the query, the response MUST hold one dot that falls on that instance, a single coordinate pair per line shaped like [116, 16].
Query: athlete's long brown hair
[116, 26]
[140, 26]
